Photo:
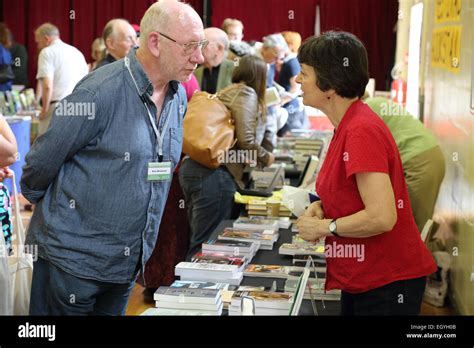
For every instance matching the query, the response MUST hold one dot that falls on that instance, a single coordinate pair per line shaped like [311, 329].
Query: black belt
[53, 101]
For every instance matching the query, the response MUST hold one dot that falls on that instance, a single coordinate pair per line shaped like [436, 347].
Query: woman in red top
[374, 252]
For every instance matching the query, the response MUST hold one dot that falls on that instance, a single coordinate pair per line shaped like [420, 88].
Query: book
[236, 280]
[180, 312]
[264, 299]
[256, 223]
[236, 247]
[184, 284]
[206, 270]
[219, 259]
[266, 239]
[191, 306]
[266, 271]
[298, 249]
[187, 296]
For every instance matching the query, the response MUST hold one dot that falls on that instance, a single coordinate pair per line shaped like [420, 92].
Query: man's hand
[315, 210]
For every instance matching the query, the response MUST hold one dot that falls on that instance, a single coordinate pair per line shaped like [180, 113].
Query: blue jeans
[209, 196]
[55, 292]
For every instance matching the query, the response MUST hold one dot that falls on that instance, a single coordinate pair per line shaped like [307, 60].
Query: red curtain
[263, 17]
[373, 22]
[79, 21]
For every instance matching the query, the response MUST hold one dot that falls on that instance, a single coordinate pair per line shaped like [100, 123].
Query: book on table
[187, 295]
[220, 259]
[265, 302]
[236, 247]
[180, 312]
[266, 238]
[256, 223]
[206, 270]
[184, 284]
[300, 249]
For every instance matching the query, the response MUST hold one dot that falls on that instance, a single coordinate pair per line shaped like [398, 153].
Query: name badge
[159, 171]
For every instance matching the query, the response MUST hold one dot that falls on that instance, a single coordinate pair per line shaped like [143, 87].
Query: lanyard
[159, 136]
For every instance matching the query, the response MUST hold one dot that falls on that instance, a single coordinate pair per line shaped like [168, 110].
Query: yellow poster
[448, 11]
[446, 48]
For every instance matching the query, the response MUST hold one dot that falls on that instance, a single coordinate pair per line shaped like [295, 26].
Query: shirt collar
[142, 80]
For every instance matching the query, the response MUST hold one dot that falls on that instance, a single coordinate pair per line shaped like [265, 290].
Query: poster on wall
[447, 10]
[446, 48]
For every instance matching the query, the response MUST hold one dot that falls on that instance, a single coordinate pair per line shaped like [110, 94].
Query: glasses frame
[188, 47]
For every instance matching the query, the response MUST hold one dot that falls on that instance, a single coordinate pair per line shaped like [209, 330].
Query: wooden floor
[137, 305]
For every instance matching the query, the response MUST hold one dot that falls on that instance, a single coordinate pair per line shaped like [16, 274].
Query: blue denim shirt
[96, 213]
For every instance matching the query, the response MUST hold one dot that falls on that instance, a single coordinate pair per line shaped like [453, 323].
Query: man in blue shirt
[100, 175]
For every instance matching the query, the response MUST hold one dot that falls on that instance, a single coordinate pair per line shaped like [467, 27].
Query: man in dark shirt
[19, 59]
[119, 37]
[216, 72]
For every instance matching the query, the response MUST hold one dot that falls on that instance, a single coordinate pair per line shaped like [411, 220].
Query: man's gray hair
[110, 26]
[156, 18]
[47, 29]
[275, 41]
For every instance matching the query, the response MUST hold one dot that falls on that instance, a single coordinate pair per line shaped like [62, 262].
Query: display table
[271, 257]
[21, 126]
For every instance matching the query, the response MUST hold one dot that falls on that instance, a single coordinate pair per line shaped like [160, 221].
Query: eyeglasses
[189, 47]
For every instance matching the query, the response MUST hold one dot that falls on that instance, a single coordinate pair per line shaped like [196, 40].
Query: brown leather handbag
[208, 130]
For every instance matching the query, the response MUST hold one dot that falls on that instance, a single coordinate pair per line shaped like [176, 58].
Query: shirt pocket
[176, 143]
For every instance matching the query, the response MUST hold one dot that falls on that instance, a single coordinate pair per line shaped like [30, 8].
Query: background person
[290, 68]
[209, 193]
[422, 158]
[60, 68]
[234, 29]
[98, 52]
[361, 185]
[216, 71]
[119, 38]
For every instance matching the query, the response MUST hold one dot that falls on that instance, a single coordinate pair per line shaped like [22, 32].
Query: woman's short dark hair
[340, 62]
[252, 71]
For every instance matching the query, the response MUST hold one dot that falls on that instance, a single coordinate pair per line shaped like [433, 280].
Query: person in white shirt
[60, 68]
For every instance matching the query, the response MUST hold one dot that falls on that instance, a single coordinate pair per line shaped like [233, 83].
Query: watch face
[332, 226]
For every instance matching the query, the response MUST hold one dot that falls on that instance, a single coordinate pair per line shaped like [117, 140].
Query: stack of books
[302, 249]
[265, 238]
[314, 289]
[278, 271]
[187, 301]
[231, 247]
[210, 272]
[258, 207]
[221, 258]
[262, 222]
[266, 303]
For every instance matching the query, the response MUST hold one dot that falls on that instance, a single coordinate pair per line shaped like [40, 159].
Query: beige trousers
[424, 174]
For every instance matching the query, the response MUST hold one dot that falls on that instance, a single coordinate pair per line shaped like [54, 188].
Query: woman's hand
[315, 210]
[312, 229]
[5, 173]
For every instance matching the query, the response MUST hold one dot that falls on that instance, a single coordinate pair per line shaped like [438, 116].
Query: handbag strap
[19, 229]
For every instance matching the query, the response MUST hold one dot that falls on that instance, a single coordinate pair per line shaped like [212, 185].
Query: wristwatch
[333, 228]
